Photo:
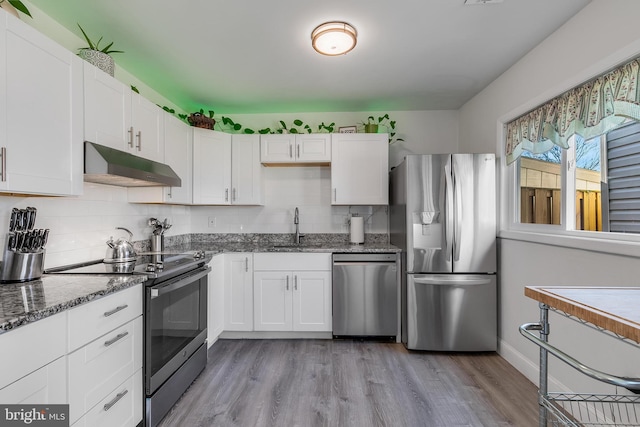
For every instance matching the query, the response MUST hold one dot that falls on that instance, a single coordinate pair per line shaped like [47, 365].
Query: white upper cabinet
[178, 153]
[296, 148]
[246, 170]
[360, 169]
[226, 168]
[147, 121]
[40, 113]
[211, 167]
[119, 118]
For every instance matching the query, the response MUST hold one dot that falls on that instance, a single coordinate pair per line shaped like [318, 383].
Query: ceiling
[256, 56]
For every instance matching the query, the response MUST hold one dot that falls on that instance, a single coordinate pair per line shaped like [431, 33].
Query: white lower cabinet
[30, 348]
[215, 299]
[104, 363]
[43, 386]
[238, 292]
[121, 407]
[89, 357]
[99, 367]
[292, 300]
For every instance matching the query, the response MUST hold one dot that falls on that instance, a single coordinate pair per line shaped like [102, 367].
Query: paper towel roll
[357, 229]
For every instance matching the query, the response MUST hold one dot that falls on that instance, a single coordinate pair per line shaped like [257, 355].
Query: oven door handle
[163, 288]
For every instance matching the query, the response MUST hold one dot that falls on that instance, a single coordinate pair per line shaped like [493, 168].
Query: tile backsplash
[80, 226]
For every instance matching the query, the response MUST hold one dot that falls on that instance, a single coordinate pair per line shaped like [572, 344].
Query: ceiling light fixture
[334, 38]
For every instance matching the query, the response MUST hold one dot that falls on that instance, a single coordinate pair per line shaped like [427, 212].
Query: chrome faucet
[296, 221]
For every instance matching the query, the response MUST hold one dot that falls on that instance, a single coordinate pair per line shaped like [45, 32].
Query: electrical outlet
[212, 222]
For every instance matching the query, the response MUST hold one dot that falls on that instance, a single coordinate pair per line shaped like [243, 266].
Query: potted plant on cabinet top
[12, 6]
[373, 125]
[93, 54]
[200, 120]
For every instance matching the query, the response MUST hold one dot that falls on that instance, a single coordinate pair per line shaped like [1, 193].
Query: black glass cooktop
[153, 265]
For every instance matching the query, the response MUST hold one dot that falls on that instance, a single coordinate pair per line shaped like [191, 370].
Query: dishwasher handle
[366, 263]
[359, 258]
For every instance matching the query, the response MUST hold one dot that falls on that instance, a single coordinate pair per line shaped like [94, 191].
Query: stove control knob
[159, 265]
[151, 267]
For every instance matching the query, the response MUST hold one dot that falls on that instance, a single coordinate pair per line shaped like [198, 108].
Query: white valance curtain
[589, 110]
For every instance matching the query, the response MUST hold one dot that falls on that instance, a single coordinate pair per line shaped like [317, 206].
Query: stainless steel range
[175, 318]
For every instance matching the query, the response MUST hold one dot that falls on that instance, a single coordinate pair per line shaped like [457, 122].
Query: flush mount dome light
[334, 38]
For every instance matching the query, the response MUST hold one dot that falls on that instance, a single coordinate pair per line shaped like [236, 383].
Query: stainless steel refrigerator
[443, 216]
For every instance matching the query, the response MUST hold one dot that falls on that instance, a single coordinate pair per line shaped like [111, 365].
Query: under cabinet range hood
[105, 165]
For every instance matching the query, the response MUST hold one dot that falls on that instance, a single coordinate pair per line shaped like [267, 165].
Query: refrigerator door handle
[457, 227]
[448, 281]
[448, 225]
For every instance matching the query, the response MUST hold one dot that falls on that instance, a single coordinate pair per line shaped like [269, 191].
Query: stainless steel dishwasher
[365, 295]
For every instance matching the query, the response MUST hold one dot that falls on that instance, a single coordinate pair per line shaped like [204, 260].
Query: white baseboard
[529, 368]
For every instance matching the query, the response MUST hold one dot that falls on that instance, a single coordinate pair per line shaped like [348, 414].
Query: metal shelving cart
[584, 409]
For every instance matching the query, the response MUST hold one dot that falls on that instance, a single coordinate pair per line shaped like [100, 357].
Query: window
[578, 157]
[540, 187]
[602, 175]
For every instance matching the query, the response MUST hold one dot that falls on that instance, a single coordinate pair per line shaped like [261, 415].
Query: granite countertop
[328, 243]
[22, 303]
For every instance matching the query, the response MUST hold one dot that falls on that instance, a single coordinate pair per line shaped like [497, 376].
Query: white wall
[598, 38]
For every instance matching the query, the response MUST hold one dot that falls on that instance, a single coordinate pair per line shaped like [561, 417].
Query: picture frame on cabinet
[348, 129]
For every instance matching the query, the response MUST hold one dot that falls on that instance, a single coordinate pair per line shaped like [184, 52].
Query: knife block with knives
[23, 258]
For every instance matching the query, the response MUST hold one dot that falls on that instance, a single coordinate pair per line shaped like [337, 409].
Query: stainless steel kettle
[121, 250]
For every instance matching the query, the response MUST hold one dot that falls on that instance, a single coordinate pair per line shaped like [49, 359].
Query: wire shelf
[587, 410]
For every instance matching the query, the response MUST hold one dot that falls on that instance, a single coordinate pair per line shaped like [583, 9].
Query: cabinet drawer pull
[115, 400]
[115, 339]
[3, 153]
[139, 136]
[131, 137]
[115, 310]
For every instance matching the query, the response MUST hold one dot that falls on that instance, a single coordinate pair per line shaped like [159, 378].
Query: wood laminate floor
[289, 383]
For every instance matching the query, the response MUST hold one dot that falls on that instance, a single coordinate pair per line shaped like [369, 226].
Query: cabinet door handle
[298, 151]
[233, 195]
[246, 264]
[115, 310]
[287, 283]
[290, 151]
[335, 196]
[115, 339]
[131, 137]
[295, 282]
[226, 194]
[115, 400]
[139, 136]
[3, 153]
